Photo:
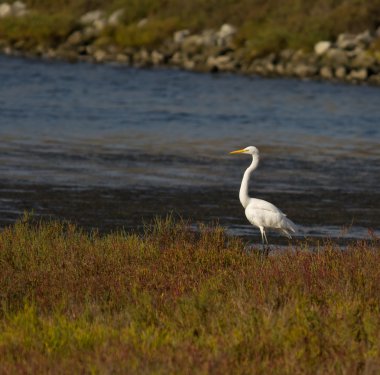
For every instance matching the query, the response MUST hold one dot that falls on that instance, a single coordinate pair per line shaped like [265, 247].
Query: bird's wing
[264, 214]
[260, 204]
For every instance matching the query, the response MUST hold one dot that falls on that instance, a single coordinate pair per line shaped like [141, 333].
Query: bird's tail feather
[289, 225]
[286, 233]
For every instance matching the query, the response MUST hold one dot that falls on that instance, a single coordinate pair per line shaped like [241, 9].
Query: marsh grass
[264, 26]
[177, 301]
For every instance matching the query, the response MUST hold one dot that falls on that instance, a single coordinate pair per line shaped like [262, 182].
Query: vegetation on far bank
[174, 301]
[264, 26]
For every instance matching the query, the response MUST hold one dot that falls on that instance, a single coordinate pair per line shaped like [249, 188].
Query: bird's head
[251, 150]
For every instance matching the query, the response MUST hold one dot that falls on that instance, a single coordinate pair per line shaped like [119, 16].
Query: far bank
[237, 42]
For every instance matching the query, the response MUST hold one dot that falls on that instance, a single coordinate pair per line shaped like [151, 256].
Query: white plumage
[260, 213]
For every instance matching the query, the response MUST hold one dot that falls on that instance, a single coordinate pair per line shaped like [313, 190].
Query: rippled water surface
[109, 146]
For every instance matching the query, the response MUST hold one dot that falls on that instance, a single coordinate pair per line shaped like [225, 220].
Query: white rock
[360, 74]
[225, 34]
[157, 57]
[142, 56]
[90, 49]
[365, 38]
[346, 41]
[227, 31]
[5, 10]
[298, 56]
[286, 54]
[188, 64]
[100, 55]
[326, 72]
[142, 22]
[75, 38]
[363, 60]
[322, 47]
[355, 52]
[223, 62]
[18, 9]
[375, 79]
[305, 70]
[280, 69]
[50, 54]
[90, 32]
[8, 50]
[191, 41]
[115, 17]
[337, 57]
[177, 58]
[269, 67]
[180, 35]
[340, 72]
[122, 58]
[99, 25]
[209, 38]
[91, 17]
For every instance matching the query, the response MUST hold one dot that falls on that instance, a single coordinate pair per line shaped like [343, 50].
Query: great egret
[261, 213]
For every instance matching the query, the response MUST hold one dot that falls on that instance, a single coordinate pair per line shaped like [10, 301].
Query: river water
[108, 147]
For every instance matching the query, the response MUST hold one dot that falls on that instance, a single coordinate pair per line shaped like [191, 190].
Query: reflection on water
[95, 129]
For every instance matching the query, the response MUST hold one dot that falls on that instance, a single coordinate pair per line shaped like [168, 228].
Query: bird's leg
[262, 238]
[265, 236]
[267, 248]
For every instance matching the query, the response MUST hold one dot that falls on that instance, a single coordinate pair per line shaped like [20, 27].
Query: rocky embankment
[351, 57]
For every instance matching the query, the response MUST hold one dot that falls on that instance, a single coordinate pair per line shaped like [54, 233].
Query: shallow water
[109, 146]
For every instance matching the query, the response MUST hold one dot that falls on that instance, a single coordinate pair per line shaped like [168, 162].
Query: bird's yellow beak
[238, 151]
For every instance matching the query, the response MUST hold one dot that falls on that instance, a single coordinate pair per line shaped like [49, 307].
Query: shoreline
[352, 58]
[374, 82]
[274, 65]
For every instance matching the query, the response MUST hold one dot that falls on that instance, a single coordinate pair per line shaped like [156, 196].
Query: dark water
[110, 147]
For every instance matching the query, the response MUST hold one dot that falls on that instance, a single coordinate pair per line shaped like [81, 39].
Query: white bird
[261, 213]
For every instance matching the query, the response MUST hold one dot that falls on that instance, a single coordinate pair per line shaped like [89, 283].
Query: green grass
[173, 301]
[152, 34]
[37, 29]
[264, 26]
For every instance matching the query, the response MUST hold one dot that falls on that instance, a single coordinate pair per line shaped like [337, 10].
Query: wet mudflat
[109, 209]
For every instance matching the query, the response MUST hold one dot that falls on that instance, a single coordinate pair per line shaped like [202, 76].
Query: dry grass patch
[175, 301]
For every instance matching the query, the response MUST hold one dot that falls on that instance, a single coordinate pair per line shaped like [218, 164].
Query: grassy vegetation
[173, 301]
[152, 34]
[263, 25]
[37, 29]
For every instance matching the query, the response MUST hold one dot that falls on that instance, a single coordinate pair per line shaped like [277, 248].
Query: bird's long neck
[243, 193]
